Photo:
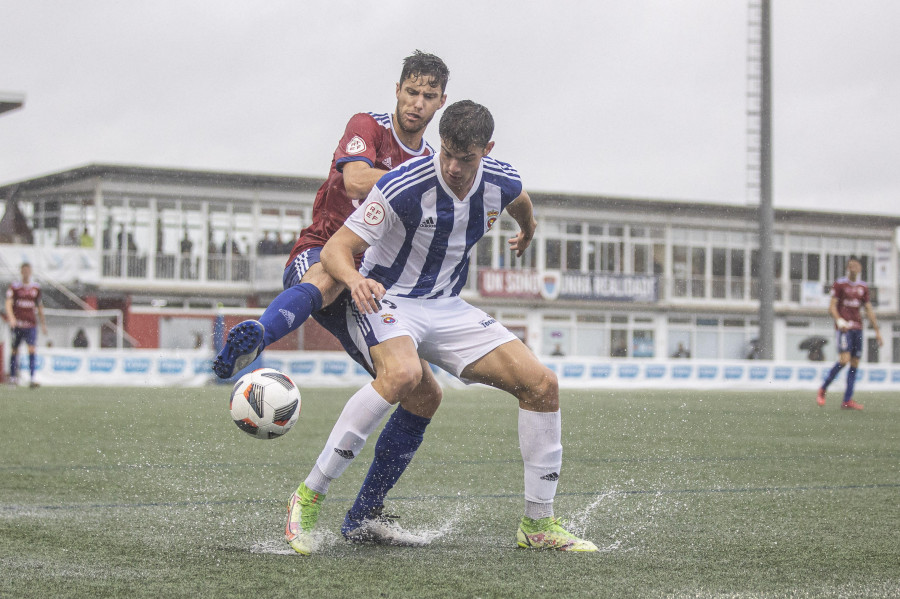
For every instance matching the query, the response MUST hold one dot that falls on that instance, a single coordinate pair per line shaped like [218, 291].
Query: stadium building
[156, 255]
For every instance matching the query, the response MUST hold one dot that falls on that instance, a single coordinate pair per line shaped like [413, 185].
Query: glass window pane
[719, 260]
[679, 344]
[812, 267]
[573, 255]
[707, 344]
[642, 344]
[554, 253]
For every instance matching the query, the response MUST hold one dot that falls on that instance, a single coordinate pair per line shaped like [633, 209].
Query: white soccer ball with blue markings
[265, 403]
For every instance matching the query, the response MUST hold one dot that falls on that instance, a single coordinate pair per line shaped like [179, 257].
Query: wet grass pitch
[155, 493]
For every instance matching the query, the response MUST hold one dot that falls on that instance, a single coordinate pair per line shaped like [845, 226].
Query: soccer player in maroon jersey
[372, 144]
[848, 295]
[24, 309]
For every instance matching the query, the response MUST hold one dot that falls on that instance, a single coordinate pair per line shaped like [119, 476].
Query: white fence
[167, 368]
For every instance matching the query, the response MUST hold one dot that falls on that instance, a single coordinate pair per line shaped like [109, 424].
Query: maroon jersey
[851, 296]
[368, 137]
[25, 298]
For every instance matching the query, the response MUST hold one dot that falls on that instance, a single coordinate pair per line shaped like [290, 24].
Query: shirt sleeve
[373, 219]
[360, 141]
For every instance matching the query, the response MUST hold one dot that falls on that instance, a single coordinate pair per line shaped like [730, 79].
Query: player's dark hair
[465, 123]
[421, 64]
[854, 259]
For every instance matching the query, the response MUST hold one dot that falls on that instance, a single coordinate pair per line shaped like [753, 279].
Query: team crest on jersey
[388, 319]
[492, 218]
[374, 214]
[356, 145]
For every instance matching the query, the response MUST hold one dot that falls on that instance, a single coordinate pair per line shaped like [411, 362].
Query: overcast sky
[634, 98]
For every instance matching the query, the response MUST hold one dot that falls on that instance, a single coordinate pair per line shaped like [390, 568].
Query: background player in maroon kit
[23, 311]
[848, 295]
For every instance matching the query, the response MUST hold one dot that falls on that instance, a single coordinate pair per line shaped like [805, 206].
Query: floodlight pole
[766, 273]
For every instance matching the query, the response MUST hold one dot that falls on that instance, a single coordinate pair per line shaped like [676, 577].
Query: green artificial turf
[133, 492]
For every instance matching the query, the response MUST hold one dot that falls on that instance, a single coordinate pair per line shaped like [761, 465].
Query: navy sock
[394, 450]
[290, 310]
[851, 381]
[831, 374]
[31, 361]
[13, 365]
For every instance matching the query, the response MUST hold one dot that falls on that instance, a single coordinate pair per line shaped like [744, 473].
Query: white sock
[540, 435]
[362, 415]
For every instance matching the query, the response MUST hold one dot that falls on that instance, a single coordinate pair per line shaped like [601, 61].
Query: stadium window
[553, 254]
[698, 272]
[640, 259]
[642, 344]
[573, 255]
[484, 256]
[659, 258]
[679, 270]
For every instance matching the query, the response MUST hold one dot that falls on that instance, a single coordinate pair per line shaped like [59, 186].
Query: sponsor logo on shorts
[487, 322]
[374, 214]
[356, 145]
[388, 319]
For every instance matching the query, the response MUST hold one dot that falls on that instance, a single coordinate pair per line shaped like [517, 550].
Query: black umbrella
[814, 342]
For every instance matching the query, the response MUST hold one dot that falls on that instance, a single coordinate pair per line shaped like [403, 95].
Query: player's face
[417, 101]
[26, 273]
[459, 167]
[853, 269]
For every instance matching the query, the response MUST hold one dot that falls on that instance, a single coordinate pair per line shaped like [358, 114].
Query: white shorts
[448, 332]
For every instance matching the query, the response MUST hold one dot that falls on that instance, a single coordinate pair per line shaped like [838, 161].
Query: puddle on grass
[324, 539]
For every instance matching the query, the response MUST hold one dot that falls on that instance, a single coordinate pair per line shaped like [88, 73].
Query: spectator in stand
[86, 240]
[80, 340]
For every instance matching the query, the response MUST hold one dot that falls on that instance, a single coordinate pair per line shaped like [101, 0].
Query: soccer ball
[265, 403]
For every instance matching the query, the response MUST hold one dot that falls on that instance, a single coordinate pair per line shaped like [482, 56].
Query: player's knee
[400, 379]
[541, 392]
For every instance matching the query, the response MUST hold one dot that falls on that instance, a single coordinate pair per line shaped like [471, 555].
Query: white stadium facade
[611, 290]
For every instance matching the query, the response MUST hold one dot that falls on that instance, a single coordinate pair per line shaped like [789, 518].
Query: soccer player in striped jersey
[848, 295]
[372, 144]
[417, 228]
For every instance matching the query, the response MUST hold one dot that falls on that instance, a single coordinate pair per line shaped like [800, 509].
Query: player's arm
[839, 322]
[870, 314]
[337, 259]
[10, 317]
[522, 212]
[360, 178]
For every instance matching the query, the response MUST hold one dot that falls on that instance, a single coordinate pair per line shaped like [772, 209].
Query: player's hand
[519, 243]
[12, 321]
[366, 293]
[878, 338]
[842, 324]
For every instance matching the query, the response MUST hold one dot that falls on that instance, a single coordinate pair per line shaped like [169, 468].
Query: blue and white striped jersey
[420, 235]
